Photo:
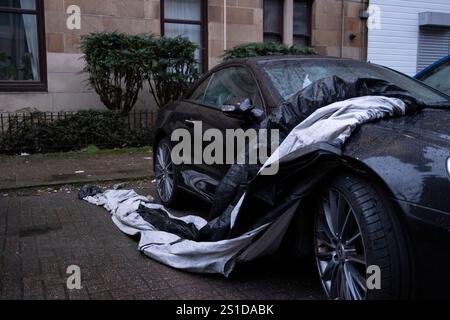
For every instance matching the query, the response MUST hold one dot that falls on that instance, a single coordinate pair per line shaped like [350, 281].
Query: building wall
[67, 87]
[328, 23]
[245, 24]
[244, 20]
[395, 44]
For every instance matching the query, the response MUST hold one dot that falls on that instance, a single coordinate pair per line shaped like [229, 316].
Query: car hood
[430, 125]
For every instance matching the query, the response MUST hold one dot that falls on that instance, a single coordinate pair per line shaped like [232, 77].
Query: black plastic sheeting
[268, 197]
[327, 91]
[88, 191]
[161, 221]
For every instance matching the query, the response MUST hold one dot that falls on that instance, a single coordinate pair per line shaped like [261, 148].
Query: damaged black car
[381, 202]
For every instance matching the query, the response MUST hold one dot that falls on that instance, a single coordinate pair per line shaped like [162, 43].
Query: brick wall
[130, 16]
[244, 24]
[67, 89]
[327, 28]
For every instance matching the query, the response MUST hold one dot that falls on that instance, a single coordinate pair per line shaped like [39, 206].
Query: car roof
[432, 66]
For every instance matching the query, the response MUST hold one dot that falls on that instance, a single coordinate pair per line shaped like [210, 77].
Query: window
[22, 49]
[187, 18]
[199, 93]
[273, 21]
[226, 84]
[439, 78]
[302, 22]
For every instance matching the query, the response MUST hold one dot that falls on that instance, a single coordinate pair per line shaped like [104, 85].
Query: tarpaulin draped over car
[314, 125]
[330, 90]
[293, 112]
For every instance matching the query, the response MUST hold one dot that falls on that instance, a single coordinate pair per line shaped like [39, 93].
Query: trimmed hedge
[116, 66]
[38, 134]
[173, 69]
[258, 49]
[119, 64]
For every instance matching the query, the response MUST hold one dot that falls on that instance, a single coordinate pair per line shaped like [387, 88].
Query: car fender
[413, 170]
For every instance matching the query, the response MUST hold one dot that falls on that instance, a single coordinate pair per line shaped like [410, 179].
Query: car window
[291, 76]
[199, 93]
[439, 78]
[229, 83]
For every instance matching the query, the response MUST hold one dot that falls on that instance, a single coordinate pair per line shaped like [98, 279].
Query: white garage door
[434, 43]
[396, 44]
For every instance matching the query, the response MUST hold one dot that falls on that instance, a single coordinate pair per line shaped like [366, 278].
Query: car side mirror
[242, 109]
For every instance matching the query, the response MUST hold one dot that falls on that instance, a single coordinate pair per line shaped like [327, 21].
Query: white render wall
[67, 90]
[395, 44]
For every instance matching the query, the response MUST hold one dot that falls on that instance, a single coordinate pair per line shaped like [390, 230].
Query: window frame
[281, 23]
[210, 76]
[31, 85]
[203, 23]
[308, 23]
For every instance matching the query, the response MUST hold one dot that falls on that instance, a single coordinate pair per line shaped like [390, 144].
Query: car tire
[167, 174]
[348, 206]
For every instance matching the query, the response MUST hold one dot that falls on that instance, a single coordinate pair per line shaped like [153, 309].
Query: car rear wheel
[166, 174]
[354, 229]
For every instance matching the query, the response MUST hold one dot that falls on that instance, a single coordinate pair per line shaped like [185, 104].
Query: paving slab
[44, 231]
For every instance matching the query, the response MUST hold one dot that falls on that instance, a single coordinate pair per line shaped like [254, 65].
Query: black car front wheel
[355, 228]
[166, 173]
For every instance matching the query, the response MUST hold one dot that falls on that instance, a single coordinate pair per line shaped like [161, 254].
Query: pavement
[44, 230]
[56, 169]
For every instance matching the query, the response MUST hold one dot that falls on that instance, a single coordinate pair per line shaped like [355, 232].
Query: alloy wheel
[164, 172]
[339, 248]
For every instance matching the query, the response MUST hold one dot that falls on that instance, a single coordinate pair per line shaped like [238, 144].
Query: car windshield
[291, 76]
[439, 78]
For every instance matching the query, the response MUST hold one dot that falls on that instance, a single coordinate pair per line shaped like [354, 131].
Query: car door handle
[189, 123]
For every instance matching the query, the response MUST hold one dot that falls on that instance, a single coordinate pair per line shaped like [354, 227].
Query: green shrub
[37, 134]
[116, 66]
[257, 49]
[173, 68]
[119, 64]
